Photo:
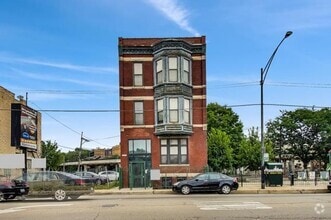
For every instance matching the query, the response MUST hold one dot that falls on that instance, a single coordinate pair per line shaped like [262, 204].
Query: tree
[54, 157]
[219, 151]
[304, 133]
[249, 155]
[224, 119]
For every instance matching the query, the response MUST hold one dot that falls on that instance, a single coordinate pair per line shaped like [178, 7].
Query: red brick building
[162, 108]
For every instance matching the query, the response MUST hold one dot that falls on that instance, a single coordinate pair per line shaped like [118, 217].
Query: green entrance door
[137, 174]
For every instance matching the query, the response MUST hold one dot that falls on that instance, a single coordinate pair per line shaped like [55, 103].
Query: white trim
[133, 98]
[203, 57]
[136, 59]
[199, 97]
[136, 87]
[199, 86]
[136, 126]
[199, 125]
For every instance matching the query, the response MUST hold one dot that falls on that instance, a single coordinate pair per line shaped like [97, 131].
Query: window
[186, 111]
[173, 110]
[177, 69]
[138, 113]
[186, 71]
[159, 71]
[142, 146]
[173, 69]
[137, 74]
[174, 151]
[160, 112]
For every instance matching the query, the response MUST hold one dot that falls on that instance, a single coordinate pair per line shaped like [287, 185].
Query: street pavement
[245, 188]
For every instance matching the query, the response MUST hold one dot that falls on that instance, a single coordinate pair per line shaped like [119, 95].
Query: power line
[66, 126]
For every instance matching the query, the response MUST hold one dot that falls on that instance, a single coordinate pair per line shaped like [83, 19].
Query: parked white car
[111, 175]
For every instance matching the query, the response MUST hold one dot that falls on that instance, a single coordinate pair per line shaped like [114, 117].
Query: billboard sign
[24, 126]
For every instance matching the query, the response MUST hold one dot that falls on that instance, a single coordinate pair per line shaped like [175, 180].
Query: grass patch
[107, 185]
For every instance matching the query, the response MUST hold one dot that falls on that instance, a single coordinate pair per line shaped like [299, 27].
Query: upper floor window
[173, 109]
[160, 111]
[172, 69]
[186, 71]
[159, 71]
[138, 113]
[137, 74]
[177, 69]
[186, 111]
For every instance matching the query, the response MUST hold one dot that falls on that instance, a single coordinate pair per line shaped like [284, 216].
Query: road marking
[221, 205]
[22, 208]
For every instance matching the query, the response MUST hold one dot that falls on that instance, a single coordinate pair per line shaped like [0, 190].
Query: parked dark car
[329, 186]
[91, 177]
[56, 184]
[206, 182]
[10, 189]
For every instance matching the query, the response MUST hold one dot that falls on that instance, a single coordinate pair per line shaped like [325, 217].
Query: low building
[7, 99]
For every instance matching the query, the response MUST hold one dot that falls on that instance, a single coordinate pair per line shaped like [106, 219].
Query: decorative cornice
[170, 44]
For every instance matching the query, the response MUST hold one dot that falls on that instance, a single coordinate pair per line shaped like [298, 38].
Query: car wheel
[74, 196]
[98, 182]
[60, 195]
[225, 189]
[185, 190]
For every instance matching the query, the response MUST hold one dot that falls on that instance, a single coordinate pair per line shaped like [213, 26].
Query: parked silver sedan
[110, 175]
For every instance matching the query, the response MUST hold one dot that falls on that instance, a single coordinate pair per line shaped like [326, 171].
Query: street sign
[266, 157]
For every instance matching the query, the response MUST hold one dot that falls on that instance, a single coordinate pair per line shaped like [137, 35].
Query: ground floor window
[174, 151]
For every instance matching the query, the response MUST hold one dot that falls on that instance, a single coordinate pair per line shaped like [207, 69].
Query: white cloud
[66, 66]
[45, 77]
[174, 12]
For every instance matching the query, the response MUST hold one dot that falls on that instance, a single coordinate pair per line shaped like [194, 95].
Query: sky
[64, 55]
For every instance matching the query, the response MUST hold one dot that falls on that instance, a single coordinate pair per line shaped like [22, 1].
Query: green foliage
[54, 157]
[249, 155]
[224, 119]
[304, 134]
[219, 150]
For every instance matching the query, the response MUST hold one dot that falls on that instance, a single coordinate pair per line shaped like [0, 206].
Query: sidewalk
[245, 189]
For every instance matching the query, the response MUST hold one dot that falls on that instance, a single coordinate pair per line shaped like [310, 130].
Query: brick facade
[188, 52]
[6, 99]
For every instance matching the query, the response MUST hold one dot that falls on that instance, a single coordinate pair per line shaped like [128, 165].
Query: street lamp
[264, 72]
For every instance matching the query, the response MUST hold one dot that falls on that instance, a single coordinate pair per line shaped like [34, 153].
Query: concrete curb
[240, 191]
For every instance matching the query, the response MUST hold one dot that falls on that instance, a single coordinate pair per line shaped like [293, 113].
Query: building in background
[7, 101]
[163, 115]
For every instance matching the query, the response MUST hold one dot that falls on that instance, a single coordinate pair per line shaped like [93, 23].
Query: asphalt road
[195, 206]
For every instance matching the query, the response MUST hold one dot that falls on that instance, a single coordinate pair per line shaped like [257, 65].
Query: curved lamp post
[264, 72]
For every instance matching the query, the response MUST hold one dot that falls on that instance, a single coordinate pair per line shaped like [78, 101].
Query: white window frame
[137, 74]
[160, 111]
[138, 112]
[159, 71]
[173, 69]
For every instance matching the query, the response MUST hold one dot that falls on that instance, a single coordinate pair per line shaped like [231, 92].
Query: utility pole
[82, 141]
